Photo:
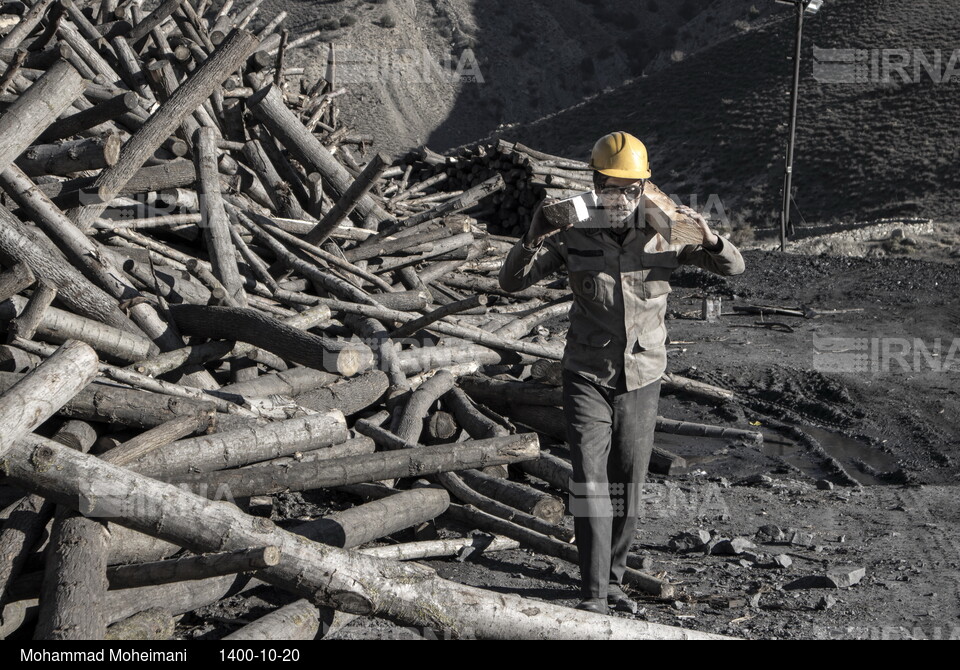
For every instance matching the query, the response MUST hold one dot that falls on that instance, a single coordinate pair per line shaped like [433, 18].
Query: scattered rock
[770, 533]
[799, 538]
[692, 539]
[782, 561]
[756, 480]
[843, 578]
[824, 485]
[835, 578]
[733, 547]
[809, 582]
[712, 544]
[826, 602]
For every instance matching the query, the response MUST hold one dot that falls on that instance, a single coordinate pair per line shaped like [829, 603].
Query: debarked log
[431, 358]
[415, 551]
[39, 394]
[92, 153]
[349, 396]
[151, 624]
[455, 485]
[349, 581]
[551, 547]
[293, 344]
[373, 467]
[58, 326]
[290, 382]
[74, 577]
[37, 109]
[350, 528]
[300, 620]
[192, 567]
[353, 447]
[15, 279]
[245, 445]
[707, 430]
[187, 97]
[18, 243]
[128, 407]
[517, 495]
[373, 520]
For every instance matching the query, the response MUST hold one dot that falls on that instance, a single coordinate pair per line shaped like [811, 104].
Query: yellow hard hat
[620, 155]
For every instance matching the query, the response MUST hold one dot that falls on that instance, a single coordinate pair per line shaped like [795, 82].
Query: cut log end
[351, 361]
[111, 148]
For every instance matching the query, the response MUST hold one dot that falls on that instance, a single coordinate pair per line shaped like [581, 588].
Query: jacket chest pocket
[589, 278]
[657, 268]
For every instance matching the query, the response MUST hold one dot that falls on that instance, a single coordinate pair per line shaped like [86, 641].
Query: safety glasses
[632, 192]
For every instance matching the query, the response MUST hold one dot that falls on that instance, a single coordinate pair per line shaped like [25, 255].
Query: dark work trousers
[610, 433]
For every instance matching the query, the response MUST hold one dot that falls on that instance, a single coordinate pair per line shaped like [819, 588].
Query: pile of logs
[209, 297]
[529, 176]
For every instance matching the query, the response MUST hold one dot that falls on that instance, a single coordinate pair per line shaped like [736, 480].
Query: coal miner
[619, 269]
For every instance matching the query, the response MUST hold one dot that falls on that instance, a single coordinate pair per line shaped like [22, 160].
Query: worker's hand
[710, 238]
[540, 229]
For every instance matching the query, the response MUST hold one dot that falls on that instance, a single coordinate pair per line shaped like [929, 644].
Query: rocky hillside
[716, 119]
[529, 58]
[704, 83]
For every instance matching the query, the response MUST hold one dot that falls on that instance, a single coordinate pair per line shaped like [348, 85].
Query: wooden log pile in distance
[529, 177]
[212, 291]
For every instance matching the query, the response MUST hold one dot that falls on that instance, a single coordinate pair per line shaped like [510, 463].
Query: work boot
[619, 601]
[595, 605]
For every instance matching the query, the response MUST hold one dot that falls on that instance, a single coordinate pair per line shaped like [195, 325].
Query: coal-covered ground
[859, 463]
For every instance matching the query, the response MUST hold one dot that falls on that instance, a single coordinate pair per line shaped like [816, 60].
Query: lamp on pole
[802, 7]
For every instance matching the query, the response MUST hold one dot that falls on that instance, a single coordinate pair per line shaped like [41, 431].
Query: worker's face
[620, 198]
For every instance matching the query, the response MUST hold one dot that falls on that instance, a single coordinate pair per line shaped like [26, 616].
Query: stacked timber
[212, 292]
[529, 176]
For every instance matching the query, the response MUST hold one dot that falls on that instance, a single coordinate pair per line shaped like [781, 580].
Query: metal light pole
[802, 7]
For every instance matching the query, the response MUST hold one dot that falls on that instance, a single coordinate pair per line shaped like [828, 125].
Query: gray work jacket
[620, 295]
